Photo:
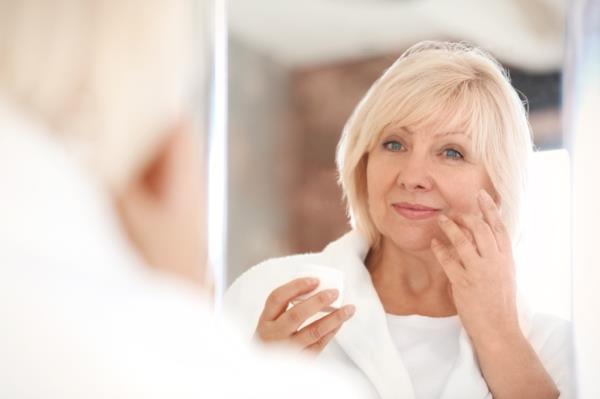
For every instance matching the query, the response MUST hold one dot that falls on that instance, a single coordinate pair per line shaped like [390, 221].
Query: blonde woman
[102, 256]
[432, 163]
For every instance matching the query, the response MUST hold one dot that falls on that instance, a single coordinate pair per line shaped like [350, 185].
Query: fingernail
[443, 219]
[312, 281]
[349, 311]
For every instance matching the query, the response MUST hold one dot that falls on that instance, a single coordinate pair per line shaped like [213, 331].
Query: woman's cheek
[460, 189]
[470, 205]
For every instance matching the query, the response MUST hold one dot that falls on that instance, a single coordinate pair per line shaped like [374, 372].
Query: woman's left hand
[481, 272]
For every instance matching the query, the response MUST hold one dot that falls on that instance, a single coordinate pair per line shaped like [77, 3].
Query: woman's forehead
[434, 111]
[435, 129]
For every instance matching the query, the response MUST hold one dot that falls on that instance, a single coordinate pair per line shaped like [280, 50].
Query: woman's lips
[415, 211]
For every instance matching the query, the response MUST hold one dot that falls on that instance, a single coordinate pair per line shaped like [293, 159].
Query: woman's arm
[512, 368]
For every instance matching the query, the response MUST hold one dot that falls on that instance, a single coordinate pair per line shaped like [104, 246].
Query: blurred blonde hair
[440, 85]
[103, 75]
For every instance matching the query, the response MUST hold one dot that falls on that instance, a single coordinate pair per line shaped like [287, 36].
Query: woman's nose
[414, 174]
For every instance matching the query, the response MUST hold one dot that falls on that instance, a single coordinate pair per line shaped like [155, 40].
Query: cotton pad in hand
[329, 278]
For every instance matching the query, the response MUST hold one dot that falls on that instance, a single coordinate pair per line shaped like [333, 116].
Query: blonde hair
[440, 84]
[105, 76]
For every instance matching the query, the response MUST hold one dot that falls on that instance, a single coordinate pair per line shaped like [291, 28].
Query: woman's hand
[278, 324]
[481, 272]
[482, 278]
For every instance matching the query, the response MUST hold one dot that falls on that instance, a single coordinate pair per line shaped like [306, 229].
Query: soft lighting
[543, 253]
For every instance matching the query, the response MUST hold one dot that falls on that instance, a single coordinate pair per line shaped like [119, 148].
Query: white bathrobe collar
[367, 340]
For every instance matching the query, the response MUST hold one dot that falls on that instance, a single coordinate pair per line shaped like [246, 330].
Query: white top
[428, 347]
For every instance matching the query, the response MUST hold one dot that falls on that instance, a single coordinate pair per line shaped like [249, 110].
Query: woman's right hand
[278, 324]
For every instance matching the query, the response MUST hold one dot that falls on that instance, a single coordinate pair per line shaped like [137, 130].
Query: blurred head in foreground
[101, 175]
[113, 84]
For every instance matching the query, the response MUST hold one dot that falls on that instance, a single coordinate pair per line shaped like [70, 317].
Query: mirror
[298, 69]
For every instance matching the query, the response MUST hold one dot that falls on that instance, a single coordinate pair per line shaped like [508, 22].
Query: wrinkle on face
[420, 175]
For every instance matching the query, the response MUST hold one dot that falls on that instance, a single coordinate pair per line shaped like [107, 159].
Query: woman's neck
[409, 282]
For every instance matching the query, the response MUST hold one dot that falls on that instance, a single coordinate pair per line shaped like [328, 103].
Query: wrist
[500, 340]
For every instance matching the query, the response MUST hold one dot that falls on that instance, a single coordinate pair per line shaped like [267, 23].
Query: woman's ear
[163, 208]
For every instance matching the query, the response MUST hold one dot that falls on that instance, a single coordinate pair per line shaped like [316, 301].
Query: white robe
[364, 342]
[83, 317]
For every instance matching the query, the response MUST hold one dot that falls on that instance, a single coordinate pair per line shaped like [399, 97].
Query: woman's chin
[415, 240]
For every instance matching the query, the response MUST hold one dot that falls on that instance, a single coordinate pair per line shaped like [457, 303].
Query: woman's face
[414, 175]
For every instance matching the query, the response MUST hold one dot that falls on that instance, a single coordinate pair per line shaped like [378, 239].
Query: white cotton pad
[329, 278]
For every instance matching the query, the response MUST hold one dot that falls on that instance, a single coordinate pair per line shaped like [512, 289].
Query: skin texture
[424, 168]
[437, 169]
[459, 260]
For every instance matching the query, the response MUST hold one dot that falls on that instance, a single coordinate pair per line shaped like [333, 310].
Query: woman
[102, 256]
[432, 164]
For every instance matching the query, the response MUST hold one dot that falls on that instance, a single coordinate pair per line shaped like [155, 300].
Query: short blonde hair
[104, 76]
[440, 84]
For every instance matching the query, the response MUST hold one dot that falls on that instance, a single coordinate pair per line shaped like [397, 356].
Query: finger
[468, 234]
[483, 237]
[491, 215]
[278, 301]
[458, 217]
[318, 346]
[465, 248]
[318, 330]
[293, 318]
[453, 269]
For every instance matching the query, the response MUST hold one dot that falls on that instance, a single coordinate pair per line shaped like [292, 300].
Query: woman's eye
[393, 146]
[453, 154]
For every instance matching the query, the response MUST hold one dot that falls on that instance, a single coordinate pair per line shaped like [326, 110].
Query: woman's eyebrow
[452, 133]
[404, 129]
[442, 133]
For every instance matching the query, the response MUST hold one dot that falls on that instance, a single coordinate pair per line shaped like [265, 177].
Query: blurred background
[298, 68]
